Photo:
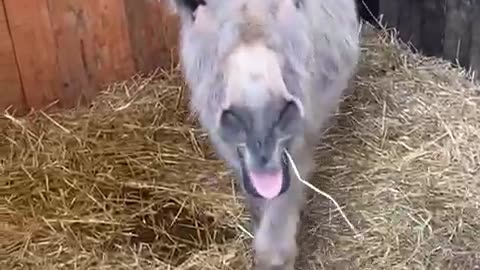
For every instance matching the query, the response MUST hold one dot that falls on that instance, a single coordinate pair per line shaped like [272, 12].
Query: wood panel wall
[447, 28]
[63, 52]
[10, 84]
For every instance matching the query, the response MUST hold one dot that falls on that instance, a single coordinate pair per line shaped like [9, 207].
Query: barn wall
[447, 28]
[63, 52]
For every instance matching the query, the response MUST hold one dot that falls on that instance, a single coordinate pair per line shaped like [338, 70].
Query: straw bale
[132, 183]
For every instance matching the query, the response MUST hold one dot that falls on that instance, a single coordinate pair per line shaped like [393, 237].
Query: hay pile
[131, 183]
[404, 160]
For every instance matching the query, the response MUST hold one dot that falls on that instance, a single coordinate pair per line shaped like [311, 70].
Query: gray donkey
[265, 77]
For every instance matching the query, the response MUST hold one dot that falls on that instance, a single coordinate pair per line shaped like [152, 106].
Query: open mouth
[267, 185]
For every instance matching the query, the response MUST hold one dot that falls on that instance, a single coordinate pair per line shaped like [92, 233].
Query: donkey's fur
[266, 76]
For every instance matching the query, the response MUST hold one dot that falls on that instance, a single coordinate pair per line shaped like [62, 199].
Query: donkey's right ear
[185, 8]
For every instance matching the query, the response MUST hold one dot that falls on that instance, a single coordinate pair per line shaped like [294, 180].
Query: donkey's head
[246, 63]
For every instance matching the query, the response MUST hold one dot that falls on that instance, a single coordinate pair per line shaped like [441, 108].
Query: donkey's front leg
[275, 243]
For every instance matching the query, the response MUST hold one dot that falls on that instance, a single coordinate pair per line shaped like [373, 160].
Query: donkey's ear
[185, 7]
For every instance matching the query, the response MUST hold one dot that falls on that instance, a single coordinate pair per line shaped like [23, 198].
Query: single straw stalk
[297, 173]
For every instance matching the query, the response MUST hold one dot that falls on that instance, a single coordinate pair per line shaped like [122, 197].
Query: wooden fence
[65, 50]
[446, 28]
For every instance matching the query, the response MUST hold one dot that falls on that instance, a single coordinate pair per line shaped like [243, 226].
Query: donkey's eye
[289, 121]
[232, 127]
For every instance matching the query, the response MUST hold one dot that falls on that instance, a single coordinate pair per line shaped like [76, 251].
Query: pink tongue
[268, 185]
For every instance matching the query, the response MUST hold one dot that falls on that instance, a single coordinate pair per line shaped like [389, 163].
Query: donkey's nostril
[263, 159]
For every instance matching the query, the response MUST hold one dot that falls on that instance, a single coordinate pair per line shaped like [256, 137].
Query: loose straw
[297, 173]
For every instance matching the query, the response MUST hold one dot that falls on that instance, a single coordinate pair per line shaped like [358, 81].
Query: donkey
[265, 76]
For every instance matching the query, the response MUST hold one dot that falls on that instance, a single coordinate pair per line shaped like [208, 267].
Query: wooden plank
[93, 45]
[389, 9]
[409, 22]
[458, 31]
[475, 45]
[433, 26]
[35, 50]
[11, 92]
[107, 47]
[78, 84]
[153, 33]
[140, 31]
